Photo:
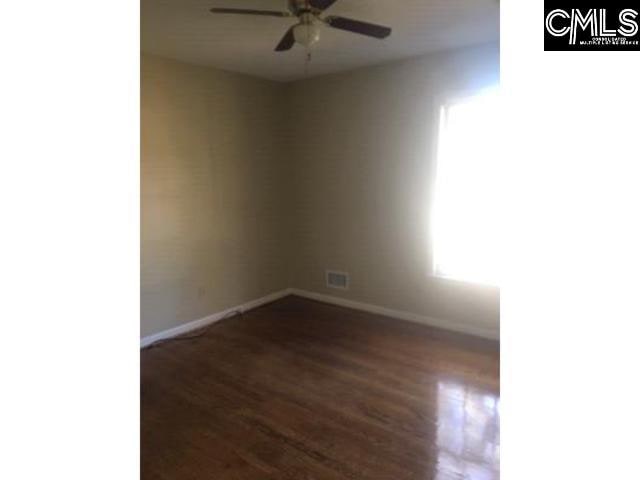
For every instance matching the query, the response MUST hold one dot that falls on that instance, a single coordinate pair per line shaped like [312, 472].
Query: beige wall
[249, 187]
[213, 220]
[361, 146]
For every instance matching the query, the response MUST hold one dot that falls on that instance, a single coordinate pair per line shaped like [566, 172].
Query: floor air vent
[337, 280]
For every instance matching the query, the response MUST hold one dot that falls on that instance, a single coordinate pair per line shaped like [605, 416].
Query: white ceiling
[185, 30]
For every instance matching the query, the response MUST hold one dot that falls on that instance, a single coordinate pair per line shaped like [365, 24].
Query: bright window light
[465, 217]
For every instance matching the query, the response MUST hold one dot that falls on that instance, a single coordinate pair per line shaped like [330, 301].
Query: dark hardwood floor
[302, 390]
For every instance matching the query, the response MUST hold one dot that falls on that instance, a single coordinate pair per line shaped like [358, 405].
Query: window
[465, 217]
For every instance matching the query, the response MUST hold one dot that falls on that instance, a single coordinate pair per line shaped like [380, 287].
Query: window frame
[440, 104]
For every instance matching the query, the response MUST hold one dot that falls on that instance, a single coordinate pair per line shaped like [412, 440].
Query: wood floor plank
[302, 390]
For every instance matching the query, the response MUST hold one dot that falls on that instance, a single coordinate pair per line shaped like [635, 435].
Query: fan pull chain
[307, 62]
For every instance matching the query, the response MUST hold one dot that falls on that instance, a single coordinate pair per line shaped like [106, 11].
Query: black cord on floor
[201, 332]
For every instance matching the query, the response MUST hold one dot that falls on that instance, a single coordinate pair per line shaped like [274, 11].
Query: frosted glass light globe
[306, 33]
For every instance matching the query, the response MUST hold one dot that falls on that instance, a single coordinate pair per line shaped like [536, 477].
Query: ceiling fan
[307, 31]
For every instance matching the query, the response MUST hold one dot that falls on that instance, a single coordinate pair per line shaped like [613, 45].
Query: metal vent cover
[335, 279]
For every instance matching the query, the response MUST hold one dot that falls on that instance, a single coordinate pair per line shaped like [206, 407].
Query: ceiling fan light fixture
[306, 34]
[309, 12]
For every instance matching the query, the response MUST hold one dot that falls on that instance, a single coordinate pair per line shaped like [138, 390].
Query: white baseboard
[203, 322]
[475, 330]
[493, 334]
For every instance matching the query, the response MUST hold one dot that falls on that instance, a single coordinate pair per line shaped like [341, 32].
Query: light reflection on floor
[468, 438]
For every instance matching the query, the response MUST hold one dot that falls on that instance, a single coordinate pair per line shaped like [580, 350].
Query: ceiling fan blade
[356, 26]
[268, 13]
[321, 4]
[287, 41]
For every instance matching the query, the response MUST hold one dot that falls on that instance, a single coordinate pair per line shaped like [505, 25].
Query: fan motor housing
[301, 7]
